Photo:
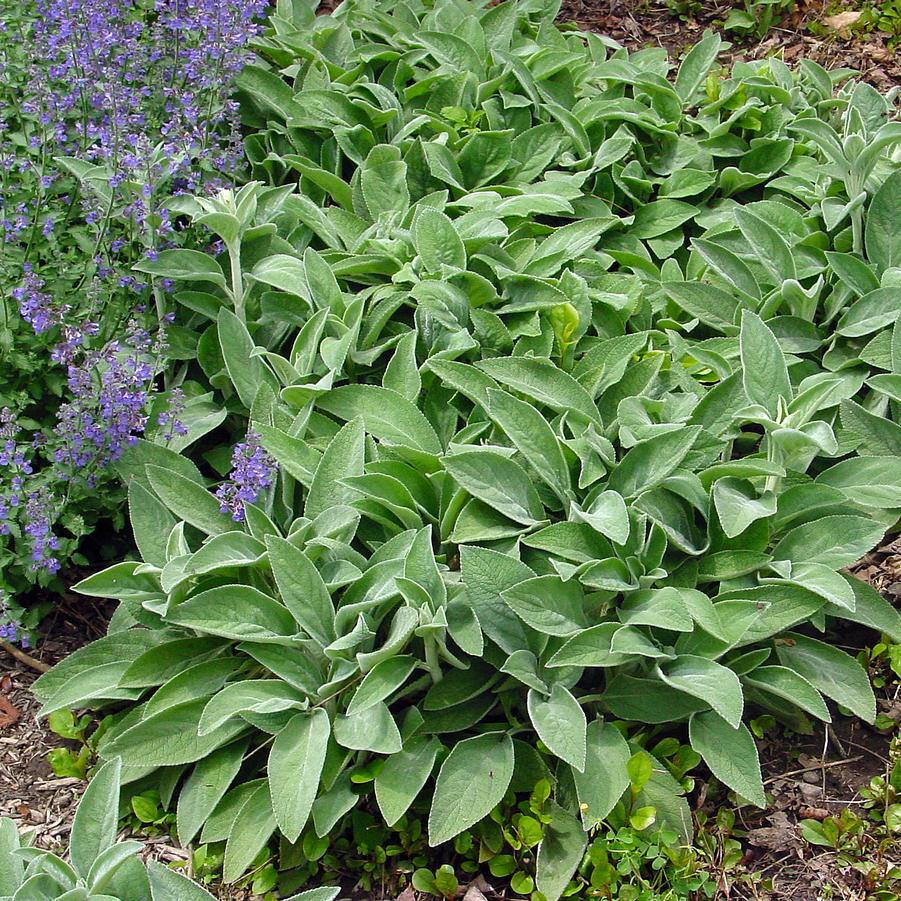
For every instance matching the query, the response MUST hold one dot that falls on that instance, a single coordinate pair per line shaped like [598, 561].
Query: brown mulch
[644, 23]
[30, 794]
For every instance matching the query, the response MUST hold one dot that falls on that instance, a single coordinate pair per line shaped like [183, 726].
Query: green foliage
[66, 762]
[97, 867]
[754, 18]
[887, 18]
[579, 403]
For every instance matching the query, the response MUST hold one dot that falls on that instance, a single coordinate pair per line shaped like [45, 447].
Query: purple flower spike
[253, 471]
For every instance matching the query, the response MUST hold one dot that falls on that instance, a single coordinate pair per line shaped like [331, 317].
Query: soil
[30, 794]
[805, 33]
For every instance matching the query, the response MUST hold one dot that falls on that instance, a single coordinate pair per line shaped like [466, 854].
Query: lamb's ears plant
[98, 867]
[556, 432]
[167, 884]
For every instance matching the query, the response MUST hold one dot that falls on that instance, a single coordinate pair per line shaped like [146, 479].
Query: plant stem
[431, 659]
[857, 230]
[234, 256]
[22, 657]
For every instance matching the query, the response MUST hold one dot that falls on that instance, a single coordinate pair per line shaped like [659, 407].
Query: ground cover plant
[567, 390]
[98, 867]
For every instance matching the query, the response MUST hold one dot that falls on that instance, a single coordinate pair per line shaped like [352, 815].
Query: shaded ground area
[642, 23]
[30, 794]
[819, 776]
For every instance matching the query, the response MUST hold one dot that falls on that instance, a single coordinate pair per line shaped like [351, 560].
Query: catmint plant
[253, 471]
[109, 110]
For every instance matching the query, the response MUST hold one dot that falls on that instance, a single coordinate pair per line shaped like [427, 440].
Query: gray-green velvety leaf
[605, 777]
[205, 787]
[764, 371]
[249, 834]
[560, 723]
[151, 523]
[771, 248]
[543, 382]
[730, 753]
[486, 573]
[381, 682]
[183, 264]
[709, 681]
[342, 459]
[883, 229]
[531, 435]
[437, 242]
[548, 604]
[302, 589]
[372, 729]
[696, 64]
[868, 481]
[386, 415]
[236, 611]
[471, 782]
[835, 673]
[787, 685]
[499, 482]
[650, 462]
[11, 865]
[294, 768]
[167, 884]
[96, 820]
[404, 775]
[189, 501]
[835, 541]
[169, 738]
[560, 852]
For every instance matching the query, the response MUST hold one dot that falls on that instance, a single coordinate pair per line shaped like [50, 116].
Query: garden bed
[804, 33]
[810, 777]
[242, 560]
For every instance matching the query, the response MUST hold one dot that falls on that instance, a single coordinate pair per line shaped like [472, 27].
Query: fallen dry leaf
[780, 836]
[814, 813]
[9, 713]
[474, 893]
[842, 22]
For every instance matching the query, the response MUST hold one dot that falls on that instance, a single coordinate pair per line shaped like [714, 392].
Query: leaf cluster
[582, 387]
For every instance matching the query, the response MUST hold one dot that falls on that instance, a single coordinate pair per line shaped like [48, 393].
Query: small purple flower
[170, 417]
[38, 528]
[36, 306]
[253, 471]
[110, 391]
[10, 628]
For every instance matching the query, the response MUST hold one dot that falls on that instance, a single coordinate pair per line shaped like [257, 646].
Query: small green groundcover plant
[569, 390]
[98, 867]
